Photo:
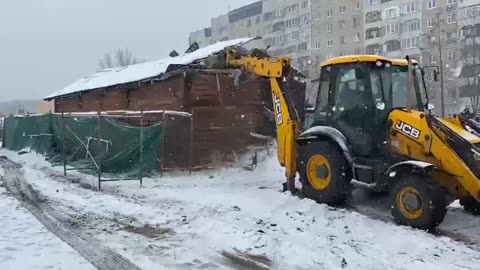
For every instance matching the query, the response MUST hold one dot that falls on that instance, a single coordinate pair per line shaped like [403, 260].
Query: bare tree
[123, 57]
[106, 61]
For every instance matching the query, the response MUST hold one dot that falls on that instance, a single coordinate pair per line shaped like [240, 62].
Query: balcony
[392, 45]
[373, 32]
[373, 16]
[374, 49]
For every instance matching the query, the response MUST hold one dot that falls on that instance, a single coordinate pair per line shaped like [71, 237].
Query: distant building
[311, 31]
[469, 47]
[337, 30]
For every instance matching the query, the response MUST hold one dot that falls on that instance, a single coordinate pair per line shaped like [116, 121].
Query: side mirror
[435, 75]
[430, 106]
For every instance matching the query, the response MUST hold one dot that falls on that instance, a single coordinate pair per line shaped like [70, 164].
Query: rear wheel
[470, 205]
[323, 173]
[417, 202]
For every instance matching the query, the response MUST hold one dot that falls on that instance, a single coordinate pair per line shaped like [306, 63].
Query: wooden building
[209, 115]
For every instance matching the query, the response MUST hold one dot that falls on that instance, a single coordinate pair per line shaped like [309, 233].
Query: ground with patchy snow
[26, 244]
[235, 219]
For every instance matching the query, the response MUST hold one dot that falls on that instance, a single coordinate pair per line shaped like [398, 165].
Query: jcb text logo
[407, 130]
[278, 109]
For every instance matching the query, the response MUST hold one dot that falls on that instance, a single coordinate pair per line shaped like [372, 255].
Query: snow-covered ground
[232, 218]
[26, 244]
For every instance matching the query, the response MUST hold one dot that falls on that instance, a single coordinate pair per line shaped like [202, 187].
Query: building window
[316, 2]
[392, 13]
[451, 36]
[357, 6]
[318, 44]
[278, 13]
[452, 55]
[452, 18]
[295, 35]
[330, 43]
[342, 9]
[451, 2]
[392, 28]
[357, 51]
[373, 32]
[330, 13]
[329, 27]
[342, 40]
[356, 37]
[291, 49]
[411, 25]
[355, 22]
[410, 43]
[372, 2]
[411, 7]
[430, 22]
[431, 3]
[432, 59]
[316, 15]
[392, 45]
[303, 46]
[305, 4]
[373, 16]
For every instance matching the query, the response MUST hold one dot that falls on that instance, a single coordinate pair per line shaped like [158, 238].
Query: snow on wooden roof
[139, 72]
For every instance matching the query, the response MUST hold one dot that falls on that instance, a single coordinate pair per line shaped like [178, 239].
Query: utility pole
[442, 81]
[439, 45]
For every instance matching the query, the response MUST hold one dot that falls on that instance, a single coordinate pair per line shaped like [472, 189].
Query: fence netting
[118, 148]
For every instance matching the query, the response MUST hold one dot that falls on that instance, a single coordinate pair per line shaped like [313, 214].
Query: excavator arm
[286, 116]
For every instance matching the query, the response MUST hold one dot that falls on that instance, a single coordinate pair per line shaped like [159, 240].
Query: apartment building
[439, 48]
[287, 30]
[468, 17]
[245, 21]
[393, 28]
[337, 30]
[311, 31]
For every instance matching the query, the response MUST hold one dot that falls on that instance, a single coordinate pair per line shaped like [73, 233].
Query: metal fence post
[64, 155]
[162, 149]
[99, 140]
[191, 143]
[141, 148]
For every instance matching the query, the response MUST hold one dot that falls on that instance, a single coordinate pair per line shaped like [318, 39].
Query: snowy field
[26, 244]
[227, 219]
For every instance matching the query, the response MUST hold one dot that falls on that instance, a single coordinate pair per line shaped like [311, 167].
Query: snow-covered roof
[139, 72]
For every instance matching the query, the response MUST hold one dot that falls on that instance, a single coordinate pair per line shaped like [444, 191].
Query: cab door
[353, 110]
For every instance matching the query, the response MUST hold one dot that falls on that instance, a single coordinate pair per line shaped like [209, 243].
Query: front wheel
[417, 202]
[324, 172]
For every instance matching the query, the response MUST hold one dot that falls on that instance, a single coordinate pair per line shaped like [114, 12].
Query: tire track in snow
[102, 257]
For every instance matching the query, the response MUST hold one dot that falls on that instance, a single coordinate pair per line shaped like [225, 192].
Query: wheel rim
[319, 172]
[410, 202]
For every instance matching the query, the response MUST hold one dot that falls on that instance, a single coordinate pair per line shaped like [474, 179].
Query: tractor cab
[356, 95]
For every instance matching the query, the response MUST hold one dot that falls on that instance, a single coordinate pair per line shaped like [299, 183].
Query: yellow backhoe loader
[373, 129]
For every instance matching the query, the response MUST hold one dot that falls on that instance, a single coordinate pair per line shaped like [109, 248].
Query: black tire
[431, 205]
[339, 187]
[470, 205]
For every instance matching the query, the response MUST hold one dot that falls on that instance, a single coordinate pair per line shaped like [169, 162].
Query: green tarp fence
[118, 150]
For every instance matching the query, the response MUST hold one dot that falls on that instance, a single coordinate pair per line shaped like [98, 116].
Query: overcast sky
[47, 44]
